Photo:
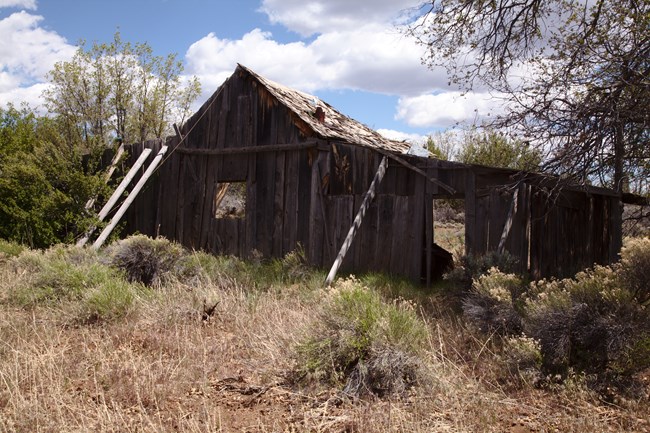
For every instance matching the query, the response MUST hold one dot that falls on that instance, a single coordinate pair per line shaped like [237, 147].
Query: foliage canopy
[574, 74]
[119, 91]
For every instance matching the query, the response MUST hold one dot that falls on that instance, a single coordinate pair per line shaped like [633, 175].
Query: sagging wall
[552, 232]
[307, 191]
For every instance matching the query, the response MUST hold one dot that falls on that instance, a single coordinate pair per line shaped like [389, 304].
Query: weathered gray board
[303, 190]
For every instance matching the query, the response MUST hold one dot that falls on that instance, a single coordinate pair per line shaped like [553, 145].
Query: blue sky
[348, 53]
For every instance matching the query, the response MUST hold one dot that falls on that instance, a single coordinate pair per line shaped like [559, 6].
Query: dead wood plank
[410, 166]
[615, 229]
[417, 233]
[401, 239]
[132, 195]
[304, 197]
[470, 212]
[314, 248]
[278, 206]
[370, 194]
[385, 231]
[507, 227]
[289, 207]
[249, 149]
[482, 224]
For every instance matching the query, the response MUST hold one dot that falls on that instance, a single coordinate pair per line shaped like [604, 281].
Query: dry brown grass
[163, 368]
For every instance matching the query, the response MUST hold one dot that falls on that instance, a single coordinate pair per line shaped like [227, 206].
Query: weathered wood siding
[305, 190]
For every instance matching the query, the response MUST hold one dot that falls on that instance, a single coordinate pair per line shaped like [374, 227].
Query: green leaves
[119, 90]
[43, 187]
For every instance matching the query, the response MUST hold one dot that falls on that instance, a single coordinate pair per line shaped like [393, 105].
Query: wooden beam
[249, 149]
[410, 166]
[109, 173]
[136, 189]
[116, 194]
[367, 199]
[508, 225]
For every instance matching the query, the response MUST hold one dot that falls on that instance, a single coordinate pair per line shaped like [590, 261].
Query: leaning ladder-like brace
[132, 195]
[367, 199]
[116, 195]
[109, 172]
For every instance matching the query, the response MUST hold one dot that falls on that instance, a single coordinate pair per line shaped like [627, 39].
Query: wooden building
[302, 169]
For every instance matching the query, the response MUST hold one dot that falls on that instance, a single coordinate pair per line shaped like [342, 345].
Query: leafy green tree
[43, 184]
[119, 91]
[575, 75]
[496, 150]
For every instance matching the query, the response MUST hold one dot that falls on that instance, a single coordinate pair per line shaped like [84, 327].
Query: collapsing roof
[333, 125]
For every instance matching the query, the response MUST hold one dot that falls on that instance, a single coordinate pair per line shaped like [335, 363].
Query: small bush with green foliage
[10, 249]
[490, 305]
[473, 266]
[363, 341]
[589, 323]
[74, 279]
[634, 268]
[151, 261]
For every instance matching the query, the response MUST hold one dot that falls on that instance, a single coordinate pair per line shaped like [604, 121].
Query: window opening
[230, 200]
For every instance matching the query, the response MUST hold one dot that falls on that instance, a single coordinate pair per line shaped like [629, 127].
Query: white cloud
[27, 53]
[308, 17]
[403, 136]
[447, 109]
[27, 4]
[29, 94]
[373, 58]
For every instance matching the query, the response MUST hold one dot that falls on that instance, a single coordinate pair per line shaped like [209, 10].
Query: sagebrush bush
[59, 273]
[363, 341]
[10, 249]
[588, 323]
[472, 266]
[73, 280]
[151, 262]
[634, 268]
[490, 305]
[522, 356]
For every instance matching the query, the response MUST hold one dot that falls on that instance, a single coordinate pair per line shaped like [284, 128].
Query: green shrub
[74, 280]
[111, 300]
[523, 358]
[10, 249]
[360, 339]
[634, 268]
[472, 266]
[61, 273]
[588, 323]
[151, 262]
[490, 305]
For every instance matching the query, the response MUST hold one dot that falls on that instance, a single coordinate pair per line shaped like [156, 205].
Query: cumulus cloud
[372, 58]
[308, 17]
[28, 52]
[403, 136]
[447, 109]
[27, 4]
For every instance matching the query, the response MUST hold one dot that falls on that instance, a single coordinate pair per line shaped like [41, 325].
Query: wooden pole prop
[508, 224]
[116, 195]
[109, 172]
[367, 199]
[136, 189]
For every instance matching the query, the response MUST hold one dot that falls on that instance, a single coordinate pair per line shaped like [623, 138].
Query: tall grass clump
[10, 249]
[366, 344]
[72, 279]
